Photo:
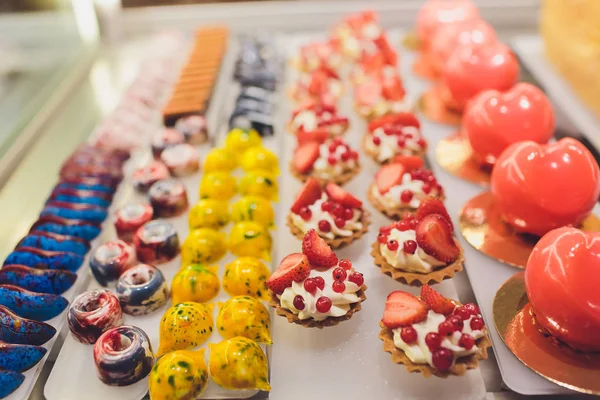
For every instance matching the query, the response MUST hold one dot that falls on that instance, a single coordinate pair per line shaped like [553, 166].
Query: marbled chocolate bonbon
[55, 281]
[20, 357]
[142, 289]
[9, 382]
[14, 329]
[93, 313]
[36, 306]
[156, 242]
[110, 260]
[123, 356]
[55, 242]
[168, 198]
[130, 218]
[45, 259]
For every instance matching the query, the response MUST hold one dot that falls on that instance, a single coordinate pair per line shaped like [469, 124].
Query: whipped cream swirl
[420, 261]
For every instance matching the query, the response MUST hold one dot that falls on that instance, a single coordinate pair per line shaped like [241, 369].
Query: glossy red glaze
[562, 279]
[472, 68]
[543, 187]
[435, 13]
[494, 120]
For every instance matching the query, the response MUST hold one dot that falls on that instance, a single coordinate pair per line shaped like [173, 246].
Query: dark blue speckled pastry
[55, 242]
[85, 186]
[36, 306]
[92, 200]
[84, 212]
[9, 382]
[68, 227]
[20, 357]
[14, 329]
[53, 281]
[44, 259]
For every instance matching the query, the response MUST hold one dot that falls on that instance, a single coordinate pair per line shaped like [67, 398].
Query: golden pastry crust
[373, 155]
[415, 278]
[459, 368]
[338, 242]
[397, 213]
[340, 180]
[311, 323]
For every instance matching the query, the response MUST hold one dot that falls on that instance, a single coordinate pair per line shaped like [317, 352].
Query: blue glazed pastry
[68, 227]
[53, 281]
[90, 183]
[93, 313]
[142, 290]
[9, 382]
[14, 329]
[84, 212]
[55, 242]
[123, 356]
[110, 260]
[36, 306]
[44, 259]
[100, 199]
[20, 357]
[156, 242]
[98, 187]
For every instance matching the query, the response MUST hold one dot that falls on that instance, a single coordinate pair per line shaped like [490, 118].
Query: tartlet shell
[340, 180]
[394, 214]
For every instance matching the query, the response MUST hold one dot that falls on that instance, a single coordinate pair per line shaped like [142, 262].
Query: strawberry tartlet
[432, 334]
[400, 187]
[392, 135]
[329, 161]
[381, 93]
[315, 54]
[419, 249]
[337, 216]
[315, 289]
[322, 84]
[312, 117]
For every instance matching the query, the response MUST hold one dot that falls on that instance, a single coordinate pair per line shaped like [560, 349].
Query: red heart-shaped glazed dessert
[472, 68]
[450, 36]
[562, 280]
[435, 13]
[494, 120]
[538, 188]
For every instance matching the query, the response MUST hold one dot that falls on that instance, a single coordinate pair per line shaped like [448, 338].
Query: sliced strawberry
[317, 251]
[318, 82]
[388, 176]
[410, 162]
[293, 268]
[402, 119]
[389, 54]
[308, 194]
[434, 236]
[308, 104]
[305, 156]
[368, 92]
[436, 301]
[431, 205]
[342, 197]
[319, 135]
[403, 309]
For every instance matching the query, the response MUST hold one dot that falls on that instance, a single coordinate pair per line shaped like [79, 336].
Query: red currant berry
[385, 230]
[442, 359]
[445, 328]
[466, 341]
[337, 141]
[456, 322]
[345, 156]
[411, 221]
[433, 340]
[354, 155]
[472, 308]
[339, 222]
[348, 214]
[422, 142]
[305, 213]
[323, 304]
[333, 147]
[426, 188]
[382, 238]
[462, 313]
[402, 226]
[408, 334]
[320, 282]
[410, 246]
[376, 140]
[324, 226]
[338, 286]
[346, 264]
[406, 196]
[299, 302]
[326, 206]
[477, 323]
[408, 135]
[337, 210]
[357, 278]
[393, 245]
[310, 285]
[339, 274]
[401, 142]
[331, 159]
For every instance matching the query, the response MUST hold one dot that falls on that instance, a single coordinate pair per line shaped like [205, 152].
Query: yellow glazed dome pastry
[203, 245]
[220, 160]
[217, 185]
[239, 140]
[251, 240]
[260, 158]
[246, 276]
[208, 213]
[195, 282]
[184, 326]
[244, 316]
[253, 208]
[179, 375]
[238, 363]
[259, 183]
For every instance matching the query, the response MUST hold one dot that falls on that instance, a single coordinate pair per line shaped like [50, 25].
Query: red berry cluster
[430, 182]
[409, 246]
[339, 213]
[401, 137]
[348, 154]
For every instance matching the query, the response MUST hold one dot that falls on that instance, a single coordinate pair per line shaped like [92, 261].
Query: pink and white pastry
[181, 159]
[313, 117]
[322, 85]
[355, 32]
[332, 212]
[315, 54]
[327, 160]
[381, 93]
[394, 134]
